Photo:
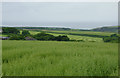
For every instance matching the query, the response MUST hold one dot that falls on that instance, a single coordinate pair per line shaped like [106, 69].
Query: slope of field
[78, 35]
[108, 29]
[83, 33]
[73, 32]
[84, 38]
[52, 58]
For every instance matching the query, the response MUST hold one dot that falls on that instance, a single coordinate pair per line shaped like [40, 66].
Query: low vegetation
[14, 34]
[65, 53]
[52, 58]
[113, 38]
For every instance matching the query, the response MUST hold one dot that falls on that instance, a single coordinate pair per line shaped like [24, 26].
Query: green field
[74, 32]
[84, 38]
[53, 58]
[76, 37]
[84, 32]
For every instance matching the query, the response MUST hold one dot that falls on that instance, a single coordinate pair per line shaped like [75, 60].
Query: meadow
[55, 58]
[77, 37]
[83, 32]
[84, 38]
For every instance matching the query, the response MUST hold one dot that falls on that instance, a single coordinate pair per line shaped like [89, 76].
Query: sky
[77, 15]
[60, 0]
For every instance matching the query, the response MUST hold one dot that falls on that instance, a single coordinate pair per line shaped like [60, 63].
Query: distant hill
[107, 29]
[44, 28]
[113, 29]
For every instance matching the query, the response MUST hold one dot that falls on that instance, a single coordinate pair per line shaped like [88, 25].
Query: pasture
[83, 32]
[77, 37]
[53, 58]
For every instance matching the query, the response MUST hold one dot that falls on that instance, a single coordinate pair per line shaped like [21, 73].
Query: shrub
[17, 37]
[80, 40]
[113, 38]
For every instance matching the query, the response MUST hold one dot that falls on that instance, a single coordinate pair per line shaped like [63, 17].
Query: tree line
[14, 34]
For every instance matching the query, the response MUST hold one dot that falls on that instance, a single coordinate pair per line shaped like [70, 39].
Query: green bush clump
[46, 37]
[113, 38]
[16, 37]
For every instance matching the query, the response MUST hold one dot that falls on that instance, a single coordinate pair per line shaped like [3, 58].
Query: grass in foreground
[51, 58]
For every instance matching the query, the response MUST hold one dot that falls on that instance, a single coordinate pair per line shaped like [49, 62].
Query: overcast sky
[68, 14]
[60, 0]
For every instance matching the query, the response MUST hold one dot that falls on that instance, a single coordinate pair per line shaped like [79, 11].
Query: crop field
[84, 38]
[84, 32]
[75, 32]
[55, 58]
[76, 37]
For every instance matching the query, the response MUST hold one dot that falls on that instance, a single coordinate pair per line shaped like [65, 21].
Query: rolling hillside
[108, 29]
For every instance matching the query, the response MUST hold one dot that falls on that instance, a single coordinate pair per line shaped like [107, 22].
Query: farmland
[78, 37]
[71, 38]
[90, 57]
[84, 32]
[52, 58]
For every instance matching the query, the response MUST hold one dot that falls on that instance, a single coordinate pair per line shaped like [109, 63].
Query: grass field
[75, 32]
[84, 38]
[85, 32]
[52, 58]
[75, 37]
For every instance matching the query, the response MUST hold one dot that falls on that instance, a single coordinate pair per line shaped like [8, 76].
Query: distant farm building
[4, 38]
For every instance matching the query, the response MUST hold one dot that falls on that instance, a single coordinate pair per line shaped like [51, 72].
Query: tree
[25, 33]
[62, 38]
[10, 30]
[44, 36]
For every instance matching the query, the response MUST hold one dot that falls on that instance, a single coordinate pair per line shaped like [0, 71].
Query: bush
[107, 39]
[113, 38]
[80, 40]
[17, 37]
[76, 40]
